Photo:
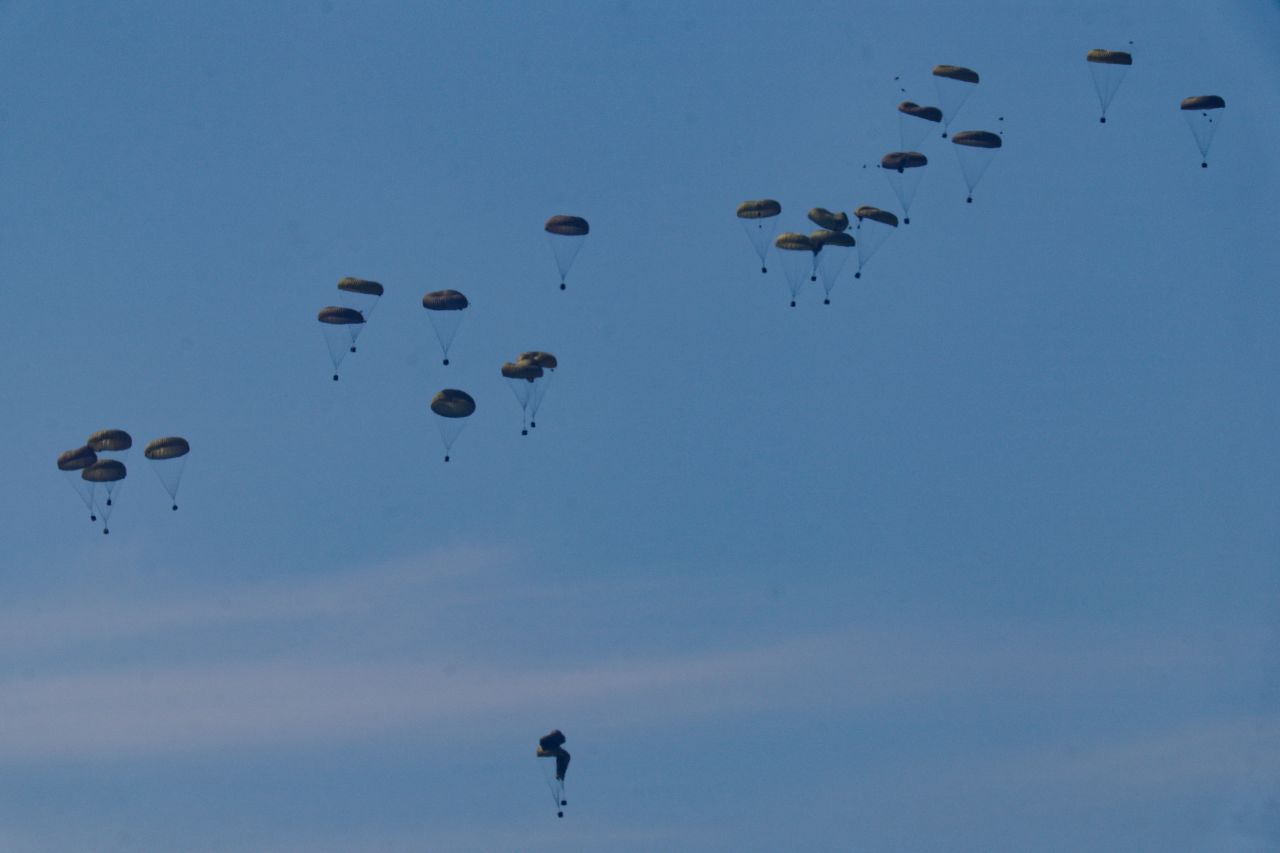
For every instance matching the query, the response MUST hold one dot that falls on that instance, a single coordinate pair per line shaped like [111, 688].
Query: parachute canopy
[104, 471]
[1204, 102]
[444, 300]
[336, 316]
[167, 448]
[568, 226]
[1108, 57]
[552, 745]
[793, 242]
[110, 440]
[521, 370]
[540, 359]
[359, 285]
[819, 239]
[899, 160]
[927, 113]
[875, 214]
[956, 72]
[824, 218]
[452, 403]
[78, 459]
[977, 139]
[759, 209]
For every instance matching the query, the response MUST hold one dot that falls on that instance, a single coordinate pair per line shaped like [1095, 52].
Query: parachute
[975, 148]
[362, 296]
[874, 227]
[110, 444]
[110, 474]
[334, 321]
[797, 255]
[914, 123]
[444, 309]
[551, 745]
[1204, 113]
[548, 363]
[72, 462]
[833, 250]
[954, 85]
[168, 457]
[824, 218]
[566, 234]
[521, 378]
[759, 219]
[1108, 68]
[903, 169]
[453, 407]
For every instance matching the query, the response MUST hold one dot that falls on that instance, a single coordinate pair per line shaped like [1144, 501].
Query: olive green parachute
[977, 139]
[799, 261]
[1108, 68]
[974, 150]
[568, 226]
[956, 72]
[875, 214]
[168, 459]
[72, 462]
[167, 448]
[538, 390]
[900, 160]
[444, 300]
[336, 316]
[104, 471]
[1204, 113]
[75, 460]
[874, 227]
[833, 253]
[759, 220]
[759, 209]
[904, 170]
[1204, 102]
[521, 370]
[360, 285]
[1109, 57]
[824, 218]
[913, 109]
[110, 441]
[522, 378]
[539, 358]
[453, 407]
[822, 239]
[793, 242]
[551, 745]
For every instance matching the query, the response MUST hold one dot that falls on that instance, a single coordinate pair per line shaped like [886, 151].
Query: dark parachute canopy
[521, 370]
[824, 218]
[539, 358]
[565, 233]
[72, 462]
[1108, 68]
[913, 109]
[110, 441]
[551, 745]
[336, 322]
[956, 72]
[875, 214]
[445, 309]
[360, 285]
[872, 236]
[900, 160]
[759, 221]
[168, 459]
[453, 407]
[1203, 113]
[974, 149]
[914, 123]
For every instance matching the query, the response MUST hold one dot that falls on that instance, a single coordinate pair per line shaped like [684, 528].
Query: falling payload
[566, 234]
[445, 309]
[796, 252]
[1204, 113]
[453, 407]
[72, 462]
[551, 745]
[334, 321]
[106, 477]
[1108, 68]
[832, 250]
[760, 220]
[874, 227]
[168, 457]
[359, 295]
[915, 122]
[904, 170]
[955, 85]
[975, 149]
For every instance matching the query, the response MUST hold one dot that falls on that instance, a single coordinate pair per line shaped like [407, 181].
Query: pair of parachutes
[528, 377]
[96, 470]
[551, 745]
[822, 254]
[343, 324]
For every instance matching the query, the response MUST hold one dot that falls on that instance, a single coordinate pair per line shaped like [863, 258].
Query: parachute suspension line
[554, 786]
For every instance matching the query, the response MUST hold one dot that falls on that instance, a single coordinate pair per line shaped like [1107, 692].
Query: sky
[981, 556]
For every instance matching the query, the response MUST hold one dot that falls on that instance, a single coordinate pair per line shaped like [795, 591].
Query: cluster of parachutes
[528, 377]
[551, 745]
[96, 470]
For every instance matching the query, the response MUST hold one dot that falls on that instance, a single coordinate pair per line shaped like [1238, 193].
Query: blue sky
[981, 556]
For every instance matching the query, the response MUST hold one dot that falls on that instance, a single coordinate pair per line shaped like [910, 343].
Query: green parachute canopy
[956, 72]
[567, 226]
[539, 358]
[824, 218]
[78, 459]
[911, 108]
[444, 300]
[336, 316]
[170, 447]
[1109, 57]
[110, 441]
[759, 209]
[875, 214]
[360, 285]
[104, 471]
[1204, 102]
